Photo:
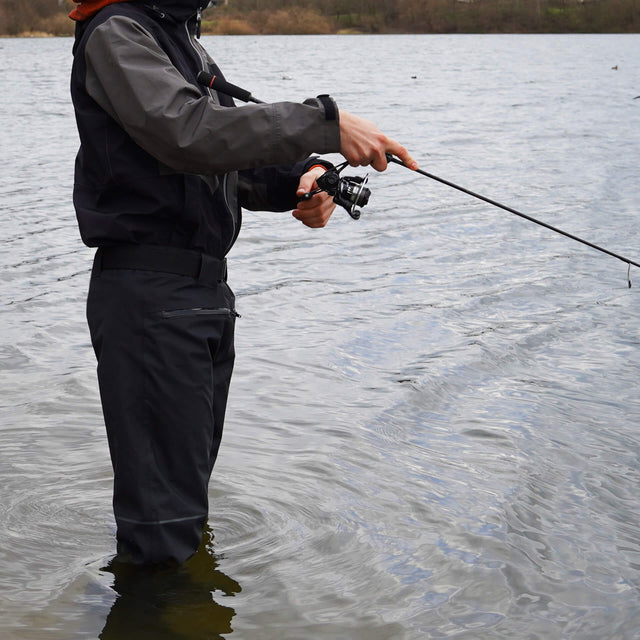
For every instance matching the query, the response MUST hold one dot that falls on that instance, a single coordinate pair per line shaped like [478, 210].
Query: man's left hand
[316, 211]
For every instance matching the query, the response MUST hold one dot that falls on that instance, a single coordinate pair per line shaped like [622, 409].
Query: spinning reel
[348, 191]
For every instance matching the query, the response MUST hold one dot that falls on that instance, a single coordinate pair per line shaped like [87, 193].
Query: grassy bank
[424, 16]
[245, 17]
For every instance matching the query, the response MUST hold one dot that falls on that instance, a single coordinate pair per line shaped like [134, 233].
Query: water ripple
[432, 424]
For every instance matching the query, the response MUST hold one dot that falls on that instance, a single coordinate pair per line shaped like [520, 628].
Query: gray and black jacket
[163, 160]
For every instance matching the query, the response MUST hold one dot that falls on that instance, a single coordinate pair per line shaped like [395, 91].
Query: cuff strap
[330, 107]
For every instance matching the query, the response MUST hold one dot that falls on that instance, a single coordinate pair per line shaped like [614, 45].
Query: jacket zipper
[203, 66]
[225, 178]
[197, 35]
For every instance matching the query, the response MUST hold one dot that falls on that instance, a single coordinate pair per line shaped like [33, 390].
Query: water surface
[433, 424]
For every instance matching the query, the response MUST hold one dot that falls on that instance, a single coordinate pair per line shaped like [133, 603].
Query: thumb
[308, 180]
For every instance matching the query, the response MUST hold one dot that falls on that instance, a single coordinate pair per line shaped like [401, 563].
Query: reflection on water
[171, 603]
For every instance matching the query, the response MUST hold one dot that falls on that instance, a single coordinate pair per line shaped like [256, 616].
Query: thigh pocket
[185, 351]
[223, 312]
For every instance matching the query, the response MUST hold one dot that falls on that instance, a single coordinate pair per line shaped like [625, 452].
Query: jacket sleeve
[134, 81]
[274, 188]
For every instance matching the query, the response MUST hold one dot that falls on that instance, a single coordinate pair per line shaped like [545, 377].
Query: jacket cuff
[314, 161]
[327, 104]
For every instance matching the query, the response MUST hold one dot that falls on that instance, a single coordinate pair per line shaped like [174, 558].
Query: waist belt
[181, 262]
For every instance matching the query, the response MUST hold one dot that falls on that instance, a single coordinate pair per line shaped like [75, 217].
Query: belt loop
[212, 270]
[201, 269]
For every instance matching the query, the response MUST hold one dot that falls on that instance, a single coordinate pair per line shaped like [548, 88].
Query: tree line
[23, 17]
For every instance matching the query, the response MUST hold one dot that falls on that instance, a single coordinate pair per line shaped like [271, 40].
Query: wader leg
[165, 353]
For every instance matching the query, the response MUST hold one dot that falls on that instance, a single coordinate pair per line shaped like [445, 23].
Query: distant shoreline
[44, 34]
[422, 17]
[35, 34]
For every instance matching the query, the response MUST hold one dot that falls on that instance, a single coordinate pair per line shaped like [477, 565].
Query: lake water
[434, 421]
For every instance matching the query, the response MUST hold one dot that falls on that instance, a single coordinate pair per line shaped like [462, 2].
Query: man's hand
[316, 211]
[363, 144]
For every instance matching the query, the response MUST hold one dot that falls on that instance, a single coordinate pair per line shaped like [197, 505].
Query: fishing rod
[350, 191]
[495, 203]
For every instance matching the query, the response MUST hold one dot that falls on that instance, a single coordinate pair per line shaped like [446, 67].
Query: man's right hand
[363, 144]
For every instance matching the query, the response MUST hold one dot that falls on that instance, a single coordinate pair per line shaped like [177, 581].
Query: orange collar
[87, 8]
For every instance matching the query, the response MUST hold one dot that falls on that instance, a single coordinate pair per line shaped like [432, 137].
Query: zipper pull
[159, 12]
[198, 22]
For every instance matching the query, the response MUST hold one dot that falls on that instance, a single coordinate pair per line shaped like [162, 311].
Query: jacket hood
[180, 9]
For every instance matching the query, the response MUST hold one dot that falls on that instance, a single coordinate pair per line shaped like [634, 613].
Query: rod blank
[495, 203]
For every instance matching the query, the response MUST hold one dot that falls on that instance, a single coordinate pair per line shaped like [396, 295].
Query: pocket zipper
[199, 311]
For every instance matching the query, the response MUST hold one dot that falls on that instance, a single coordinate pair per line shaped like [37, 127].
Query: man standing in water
[163, 169]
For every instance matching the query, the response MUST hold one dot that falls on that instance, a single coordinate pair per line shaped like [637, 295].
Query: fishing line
[495, 203]
[351, 191]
